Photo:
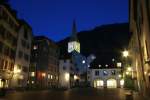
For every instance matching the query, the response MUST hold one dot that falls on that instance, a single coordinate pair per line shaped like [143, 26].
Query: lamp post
[125, 53]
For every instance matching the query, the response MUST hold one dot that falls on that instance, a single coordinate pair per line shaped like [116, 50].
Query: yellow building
[139, 46]
[8, 43]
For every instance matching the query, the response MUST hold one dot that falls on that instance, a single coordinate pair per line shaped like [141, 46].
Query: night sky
[53, 18]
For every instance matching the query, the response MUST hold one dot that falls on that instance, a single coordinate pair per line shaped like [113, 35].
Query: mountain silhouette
[106, 42]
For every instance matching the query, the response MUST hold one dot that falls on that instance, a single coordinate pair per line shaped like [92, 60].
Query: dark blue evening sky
[54, 18]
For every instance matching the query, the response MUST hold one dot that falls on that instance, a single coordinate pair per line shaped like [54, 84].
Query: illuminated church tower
[73, 44]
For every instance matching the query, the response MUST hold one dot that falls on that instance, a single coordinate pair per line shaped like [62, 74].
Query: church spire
[74, 44]
[74, 32]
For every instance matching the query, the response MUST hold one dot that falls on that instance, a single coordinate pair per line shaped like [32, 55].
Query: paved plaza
[72, 94]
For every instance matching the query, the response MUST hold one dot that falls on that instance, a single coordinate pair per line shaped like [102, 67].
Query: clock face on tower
[73, 45]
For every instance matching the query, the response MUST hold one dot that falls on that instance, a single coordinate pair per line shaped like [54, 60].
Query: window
[19, 81]
[32, 74]
[19, 67]
[26, 57]
[20, 54]
[6, 51]
[1, 64]
[6, 63]
[64, 68]
[51, 77]
[119, 64]
[113, 72]
[2, 31]
[25, 69]
[105, 72]
[25, 34]
[96, 73]
[71, 68]
[147, 51]
[12, 54]
[1, 47]
[48, 76]
[28, 46]
[12, 67]
[23, 42]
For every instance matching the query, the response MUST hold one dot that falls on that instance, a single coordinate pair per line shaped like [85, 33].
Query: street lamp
[75, 77]
[43, 74]
[125, 53]
[83, 61]
[129, 69]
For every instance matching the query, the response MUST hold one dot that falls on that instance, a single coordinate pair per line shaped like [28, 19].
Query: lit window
[67, 76]
[43, 74]
[119, 64]
[32, 74]
[21, 77]
[51, 76]
[129, 69]
[28, 81]
[1, 83]
[48, 76]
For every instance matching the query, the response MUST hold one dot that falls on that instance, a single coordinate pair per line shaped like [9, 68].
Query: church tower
[74, 44]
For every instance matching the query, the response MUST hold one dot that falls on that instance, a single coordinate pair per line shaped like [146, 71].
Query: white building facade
[22, 59]
[105, 78]
[67, 74]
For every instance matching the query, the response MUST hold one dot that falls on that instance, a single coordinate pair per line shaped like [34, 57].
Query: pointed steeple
[74, 32]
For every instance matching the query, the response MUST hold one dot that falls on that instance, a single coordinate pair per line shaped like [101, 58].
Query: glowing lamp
[75, 77]
[119, 76]
[125, 53]
[122, 82]
[129, 69]
[127, 73]
[43, 74]
[67, 76]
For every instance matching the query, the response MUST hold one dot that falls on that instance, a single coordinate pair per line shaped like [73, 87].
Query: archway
[111, 83]
[98, 83]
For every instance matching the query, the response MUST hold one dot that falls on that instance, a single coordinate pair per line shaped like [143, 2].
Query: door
[111, 83]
